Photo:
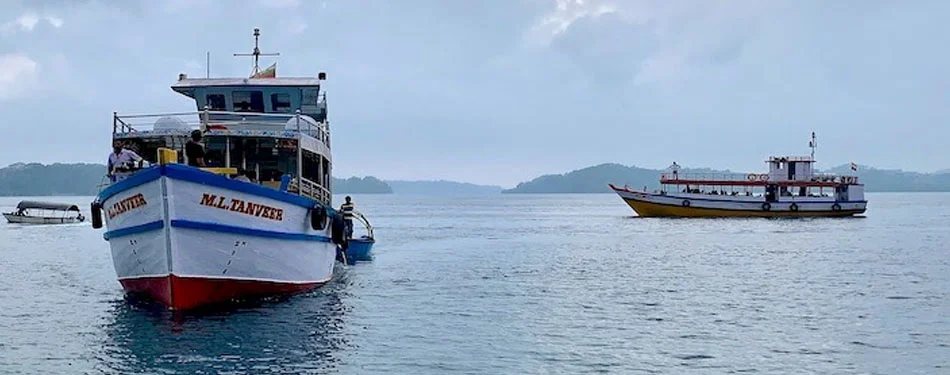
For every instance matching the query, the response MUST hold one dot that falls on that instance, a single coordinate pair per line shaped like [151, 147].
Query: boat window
[280, 102]
[310, 96]
[215, 102]
[248, 101]
[215, 151]
[272, 159]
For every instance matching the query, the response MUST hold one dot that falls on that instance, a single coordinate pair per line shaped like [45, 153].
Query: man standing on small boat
[347, 210]
[121, 161]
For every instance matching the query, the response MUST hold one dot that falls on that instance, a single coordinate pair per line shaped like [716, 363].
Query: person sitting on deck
[121, 161]
[195, 150]
[347, 210]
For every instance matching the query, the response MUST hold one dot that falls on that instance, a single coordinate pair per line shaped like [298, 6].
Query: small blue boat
[361, 248]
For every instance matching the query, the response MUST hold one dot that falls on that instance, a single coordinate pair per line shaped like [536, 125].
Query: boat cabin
[256, 95]
[252, 124]
[790, 178]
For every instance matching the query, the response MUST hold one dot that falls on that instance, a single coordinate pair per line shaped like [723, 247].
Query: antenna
[208, 64]
[813, 144]
[256, 53]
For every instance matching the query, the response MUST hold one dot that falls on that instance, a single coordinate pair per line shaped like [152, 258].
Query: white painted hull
[188, 242]
[39, 220]
[705, 205]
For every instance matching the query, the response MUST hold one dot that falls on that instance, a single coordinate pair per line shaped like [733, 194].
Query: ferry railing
[670, 176]
[208, 120]
[310, 189]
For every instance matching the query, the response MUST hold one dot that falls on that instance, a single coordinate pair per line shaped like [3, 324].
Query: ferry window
[280, 102]
[310, 96]
[215, 102]
[248, 101]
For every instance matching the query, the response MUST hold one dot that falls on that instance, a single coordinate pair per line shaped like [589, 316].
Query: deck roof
[47, 206]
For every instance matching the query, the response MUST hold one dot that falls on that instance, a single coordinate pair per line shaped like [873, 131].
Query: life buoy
[793, 207]
[766, 207]
[318, 217]
[686, 203]
[96, 211]
[763, 177]
[752, 177]
[836, 207]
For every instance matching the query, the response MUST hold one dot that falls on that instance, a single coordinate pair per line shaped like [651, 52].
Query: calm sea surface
[521, 285]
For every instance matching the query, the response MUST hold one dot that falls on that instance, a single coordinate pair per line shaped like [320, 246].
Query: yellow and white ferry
[791, 188]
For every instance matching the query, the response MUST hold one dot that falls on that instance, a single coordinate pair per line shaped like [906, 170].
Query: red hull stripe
[183, 293]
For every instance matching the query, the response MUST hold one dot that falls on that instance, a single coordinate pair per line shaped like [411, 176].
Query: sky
[501, 91]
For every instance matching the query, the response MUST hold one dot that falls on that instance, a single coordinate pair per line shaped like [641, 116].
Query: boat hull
[188, 238]
[18, 219]
[662, 205]
[360, 249]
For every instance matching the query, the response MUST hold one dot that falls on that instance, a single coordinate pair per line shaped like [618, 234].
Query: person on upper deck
[347, 210]
[195, 150]
[121, 161]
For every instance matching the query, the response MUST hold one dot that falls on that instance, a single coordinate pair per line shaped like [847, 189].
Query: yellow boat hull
[651, 209]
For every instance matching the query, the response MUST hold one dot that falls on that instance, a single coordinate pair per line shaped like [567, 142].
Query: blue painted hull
[360, 249]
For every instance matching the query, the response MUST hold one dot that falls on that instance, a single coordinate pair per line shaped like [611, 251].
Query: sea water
[516, 284]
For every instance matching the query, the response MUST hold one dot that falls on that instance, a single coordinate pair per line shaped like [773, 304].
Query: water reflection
[300, 334]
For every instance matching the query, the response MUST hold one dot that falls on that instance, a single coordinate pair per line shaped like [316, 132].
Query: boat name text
[238, 205]
[126, 205]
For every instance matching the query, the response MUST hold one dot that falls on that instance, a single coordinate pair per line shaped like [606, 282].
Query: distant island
[595, 179]
[34, 179]
[72, 179]
[357, 185]
[442, 187]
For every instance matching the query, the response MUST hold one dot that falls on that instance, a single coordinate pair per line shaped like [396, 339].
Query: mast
[256, 53]
[813, 144]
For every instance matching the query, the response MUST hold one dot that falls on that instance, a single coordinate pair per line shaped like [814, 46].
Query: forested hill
[22, 179]
[34, 179]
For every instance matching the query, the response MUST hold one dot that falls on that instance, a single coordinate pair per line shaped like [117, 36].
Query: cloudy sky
[500, 91]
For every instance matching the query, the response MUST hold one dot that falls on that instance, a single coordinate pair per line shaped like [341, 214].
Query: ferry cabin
[790, 188]
[248, 124]
[790, 179]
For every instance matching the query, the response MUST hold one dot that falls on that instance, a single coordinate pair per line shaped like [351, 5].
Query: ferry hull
[184, 293]
[188, 238]
[647, 209]
[658, 205]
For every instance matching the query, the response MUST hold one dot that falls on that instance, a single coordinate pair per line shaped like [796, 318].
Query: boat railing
[310, 189]
[675, 176]
[831, 177]
[363, 220]
[791, 158]
[226, 122]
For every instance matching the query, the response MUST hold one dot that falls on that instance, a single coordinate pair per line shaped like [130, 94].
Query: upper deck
[272, 126]
[257, 95]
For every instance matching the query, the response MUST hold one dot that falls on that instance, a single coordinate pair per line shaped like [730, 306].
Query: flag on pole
[854, 167]
[270, 72]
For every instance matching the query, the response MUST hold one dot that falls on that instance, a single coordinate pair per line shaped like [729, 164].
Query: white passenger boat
[791, 188]
[191, 236]
[34, 212]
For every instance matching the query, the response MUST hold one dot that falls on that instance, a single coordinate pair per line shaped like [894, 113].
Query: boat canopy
[25, 205]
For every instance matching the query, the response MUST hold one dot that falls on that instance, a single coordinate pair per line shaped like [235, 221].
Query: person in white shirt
[121, 162]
